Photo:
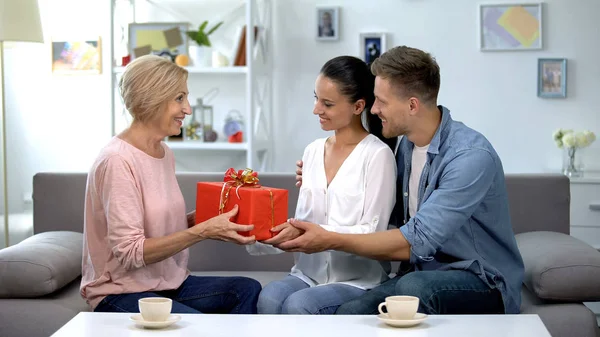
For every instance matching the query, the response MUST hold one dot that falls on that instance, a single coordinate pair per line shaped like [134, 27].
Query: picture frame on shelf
[372, 45]
[552, 77]
[77, 57]
[166, 39]
[328, 23]
[511, 27]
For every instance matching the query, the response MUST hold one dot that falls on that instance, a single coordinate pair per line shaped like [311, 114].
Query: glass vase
[207, 121]
[572, 163]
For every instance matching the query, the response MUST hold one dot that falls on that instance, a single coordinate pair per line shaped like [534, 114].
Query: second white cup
[155, 309]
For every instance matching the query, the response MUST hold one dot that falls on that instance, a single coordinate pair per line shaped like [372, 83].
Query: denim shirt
[462, 220]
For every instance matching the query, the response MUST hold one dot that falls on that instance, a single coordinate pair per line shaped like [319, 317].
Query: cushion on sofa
[560, 267]
[40, 264]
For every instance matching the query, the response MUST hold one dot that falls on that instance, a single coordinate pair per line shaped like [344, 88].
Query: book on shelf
[240, 55]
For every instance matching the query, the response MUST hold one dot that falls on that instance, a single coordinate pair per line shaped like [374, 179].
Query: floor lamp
[19, 22]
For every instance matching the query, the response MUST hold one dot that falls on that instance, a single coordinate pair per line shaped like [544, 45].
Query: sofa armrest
[560, 267]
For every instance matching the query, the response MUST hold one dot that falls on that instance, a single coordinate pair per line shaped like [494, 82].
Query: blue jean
[219, 295]
[451, 292]
[293, 296]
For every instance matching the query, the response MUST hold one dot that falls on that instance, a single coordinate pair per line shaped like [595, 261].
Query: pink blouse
[130, 196]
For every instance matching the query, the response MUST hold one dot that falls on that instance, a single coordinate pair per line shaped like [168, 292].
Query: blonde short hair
[148, 83]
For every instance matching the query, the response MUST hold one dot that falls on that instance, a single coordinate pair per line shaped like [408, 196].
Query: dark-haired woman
[348, 187]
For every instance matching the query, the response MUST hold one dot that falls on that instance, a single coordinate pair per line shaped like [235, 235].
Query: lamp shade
[20, 21]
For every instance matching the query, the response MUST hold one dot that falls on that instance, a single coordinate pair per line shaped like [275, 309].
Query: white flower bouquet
[569, 138]
[571, 141]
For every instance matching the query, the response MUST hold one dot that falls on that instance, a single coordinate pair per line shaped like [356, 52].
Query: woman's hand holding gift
[221, 228]
[285, 232]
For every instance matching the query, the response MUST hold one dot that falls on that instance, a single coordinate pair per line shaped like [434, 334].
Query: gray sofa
[561, 272]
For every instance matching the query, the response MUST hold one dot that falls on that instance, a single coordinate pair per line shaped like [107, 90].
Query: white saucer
[402, 323]
[138, 319]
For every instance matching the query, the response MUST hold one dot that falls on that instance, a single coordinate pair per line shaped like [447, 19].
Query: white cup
[155, 309]
[400, 307]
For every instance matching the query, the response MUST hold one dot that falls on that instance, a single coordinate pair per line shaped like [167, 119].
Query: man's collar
[434, 145]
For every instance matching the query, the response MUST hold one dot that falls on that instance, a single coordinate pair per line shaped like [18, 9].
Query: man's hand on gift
[220, 228]
[314, 238]
[285, 232]
[299, 173]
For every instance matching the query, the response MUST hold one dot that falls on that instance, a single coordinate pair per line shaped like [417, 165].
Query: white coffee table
[87, 324]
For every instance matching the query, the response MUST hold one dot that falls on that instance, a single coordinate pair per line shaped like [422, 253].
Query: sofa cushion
[40, 264]
[560, 267]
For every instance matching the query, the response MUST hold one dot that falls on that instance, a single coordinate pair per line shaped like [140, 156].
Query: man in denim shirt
[455, 238]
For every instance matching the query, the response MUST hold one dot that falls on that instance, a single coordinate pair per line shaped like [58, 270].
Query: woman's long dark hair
[355, 80]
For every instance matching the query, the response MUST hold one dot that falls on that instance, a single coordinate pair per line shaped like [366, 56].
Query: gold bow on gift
[241, 178]
[246, 177]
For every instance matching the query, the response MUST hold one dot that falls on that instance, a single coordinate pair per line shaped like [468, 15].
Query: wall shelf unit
[247, 89]
[202, 70]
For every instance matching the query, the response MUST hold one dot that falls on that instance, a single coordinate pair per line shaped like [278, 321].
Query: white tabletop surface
[87, 324]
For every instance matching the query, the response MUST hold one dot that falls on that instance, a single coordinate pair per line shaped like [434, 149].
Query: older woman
[136, 230]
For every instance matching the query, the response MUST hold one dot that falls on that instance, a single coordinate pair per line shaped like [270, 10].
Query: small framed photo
[77, 57]
[510, 27]
[166, 39]
[328, 23]
[552, 78]
[372, 45]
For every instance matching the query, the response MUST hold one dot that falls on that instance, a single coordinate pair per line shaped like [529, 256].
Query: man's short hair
[411, 71]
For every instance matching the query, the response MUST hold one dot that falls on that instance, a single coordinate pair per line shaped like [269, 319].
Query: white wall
[493, 92]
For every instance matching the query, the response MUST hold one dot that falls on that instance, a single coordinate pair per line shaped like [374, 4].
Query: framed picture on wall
[505, 27]
[77, 57]
[552, 78]
[372, 45]
[166, 39]
[328, 23]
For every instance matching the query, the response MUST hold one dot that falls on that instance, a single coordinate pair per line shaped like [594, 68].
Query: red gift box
[263, 207]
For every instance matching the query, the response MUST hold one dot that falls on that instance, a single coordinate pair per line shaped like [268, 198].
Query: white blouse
[359, 200]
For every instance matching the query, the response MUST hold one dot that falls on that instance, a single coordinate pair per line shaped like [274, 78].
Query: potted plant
[200, 51]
